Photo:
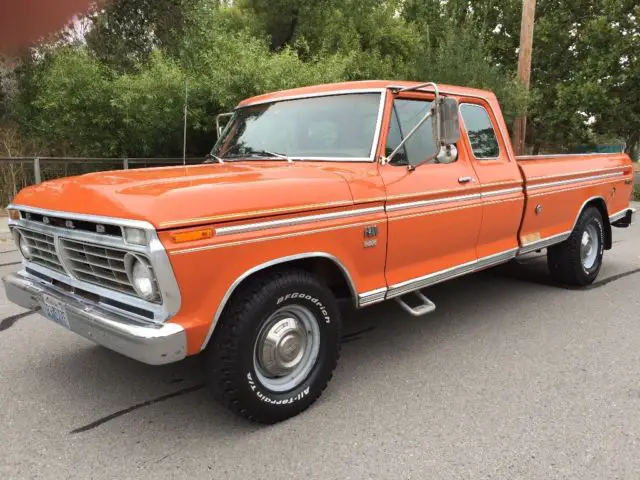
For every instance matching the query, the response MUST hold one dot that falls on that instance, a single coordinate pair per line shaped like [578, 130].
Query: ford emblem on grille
[46, 220]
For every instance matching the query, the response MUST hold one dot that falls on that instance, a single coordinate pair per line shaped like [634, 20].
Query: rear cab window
[482, 135]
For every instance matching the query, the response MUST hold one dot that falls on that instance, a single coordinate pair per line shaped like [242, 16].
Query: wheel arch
[328, 267]
[599, 203]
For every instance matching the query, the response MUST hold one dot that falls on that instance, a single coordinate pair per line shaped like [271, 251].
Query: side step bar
[427, 306]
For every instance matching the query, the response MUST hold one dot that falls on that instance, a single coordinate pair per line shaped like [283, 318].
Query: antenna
[184, 134]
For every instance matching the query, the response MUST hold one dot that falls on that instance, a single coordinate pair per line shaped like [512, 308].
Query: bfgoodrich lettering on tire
[577, 261]
[276, 346]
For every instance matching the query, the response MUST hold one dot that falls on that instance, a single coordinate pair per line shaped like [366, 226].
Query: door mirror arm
[389, 157]
[445, 127]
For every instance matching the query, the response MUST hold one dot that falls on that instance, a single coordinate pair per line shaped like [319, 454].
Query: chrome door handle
[465, 179]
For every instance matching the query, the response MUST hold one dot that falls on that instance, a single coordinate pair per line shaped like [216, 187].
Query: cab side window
[482, 136]
[405, 116]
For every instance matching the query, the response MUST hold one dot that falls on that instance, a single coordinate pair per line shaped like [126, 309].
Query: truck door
[499, 178]
[434, 215]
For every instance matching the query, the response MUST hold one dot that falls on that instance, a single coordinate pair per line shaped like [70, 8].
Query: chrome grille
[97, 264]
[43, 249]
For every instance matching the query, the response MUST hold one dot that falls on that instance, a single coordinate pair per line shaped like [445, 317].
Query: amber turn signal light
[14, 214]
[192, 235]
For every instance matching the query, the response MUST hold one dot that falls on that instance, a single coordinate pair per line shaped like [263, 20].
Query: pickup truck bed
[562, 184]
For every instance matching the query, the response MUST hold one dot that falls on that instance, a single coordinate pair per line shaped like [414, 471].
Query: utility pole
[184, 132]
[524, 69]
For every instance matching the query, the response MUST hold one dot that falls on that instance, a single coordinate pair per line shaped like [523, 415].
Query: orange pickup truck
[366, 190]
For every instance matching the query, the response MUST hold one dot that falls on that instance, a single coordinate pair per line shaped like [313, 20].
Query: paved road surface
[511, 377]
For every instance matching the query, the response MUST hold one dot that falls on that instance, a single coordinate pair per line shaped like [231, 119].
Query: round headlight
[22, 245]
[142, 278]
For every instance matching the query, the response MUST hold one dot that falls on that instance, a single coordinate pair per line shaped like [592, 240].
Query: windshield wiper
[272, 154]
[210, 156]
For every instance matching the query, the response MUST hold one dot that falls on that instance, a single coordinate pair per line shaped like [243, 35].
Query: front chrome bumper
[154, 345]
[624, 218]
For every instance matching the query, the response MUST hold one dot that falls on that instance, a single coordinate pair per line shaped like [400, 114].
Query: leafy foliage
[121, 90]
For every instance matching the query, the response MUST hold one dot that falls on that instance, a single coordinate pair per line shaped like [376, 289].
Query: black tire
[565, 259]
[231, 357]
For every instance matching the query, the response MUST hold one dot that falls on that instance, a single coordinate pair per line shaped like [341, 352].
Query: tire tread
[223, 371]
[565, 264]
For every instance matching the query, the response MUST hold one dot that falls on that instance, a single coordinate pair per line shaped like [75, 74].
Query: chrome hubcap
[589, 246]
[287, 348]
[282, 346]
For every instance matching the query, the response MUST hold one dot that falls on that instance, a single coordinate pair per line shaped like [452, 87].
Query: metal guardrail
[126, 162]
[18, 180]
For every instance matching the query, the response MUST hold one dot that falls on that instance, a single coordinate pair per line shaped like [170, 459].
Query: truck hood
[170, 197]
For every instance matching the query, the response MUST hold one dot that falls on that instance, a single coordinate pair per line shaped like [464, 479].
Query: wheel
[276, 346]
[577, 260]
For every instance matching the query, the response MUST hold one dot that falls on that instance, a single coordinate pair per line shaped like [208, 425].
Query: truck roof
[342, 87]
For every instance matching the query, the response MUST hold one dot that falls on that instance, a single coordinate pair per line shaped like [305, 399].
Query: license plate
[55, 310]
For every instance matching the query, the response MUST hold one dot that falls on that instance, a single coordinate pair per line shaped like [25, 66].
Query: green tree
[122, 93]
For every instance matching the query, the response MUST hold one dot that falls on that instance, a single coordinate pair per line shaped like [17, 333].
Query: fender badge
[370, 233]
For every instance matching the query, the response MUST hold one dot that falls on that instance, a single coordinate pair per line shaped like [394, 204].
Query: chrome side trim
[268, 264]
[544, 243]
[437, 201]
[584, 204]
[574, 180]
[155, 251]
[582, 172]
[494, 193]
[371, 297]
[287, 222]
[571, 188]
[274, 237]
[449, 273]
[525, 158]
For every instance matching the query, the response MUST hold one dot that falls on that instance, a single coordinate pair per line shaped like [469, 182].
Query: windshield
[324, 128]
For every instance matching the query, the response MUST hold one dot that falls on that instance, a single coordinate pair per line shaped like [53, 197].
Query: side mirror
[446, 127]
[449, 123]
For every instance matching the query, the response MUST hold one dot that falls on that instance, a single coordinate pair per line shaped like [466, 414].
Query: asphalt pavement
[511, 377]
